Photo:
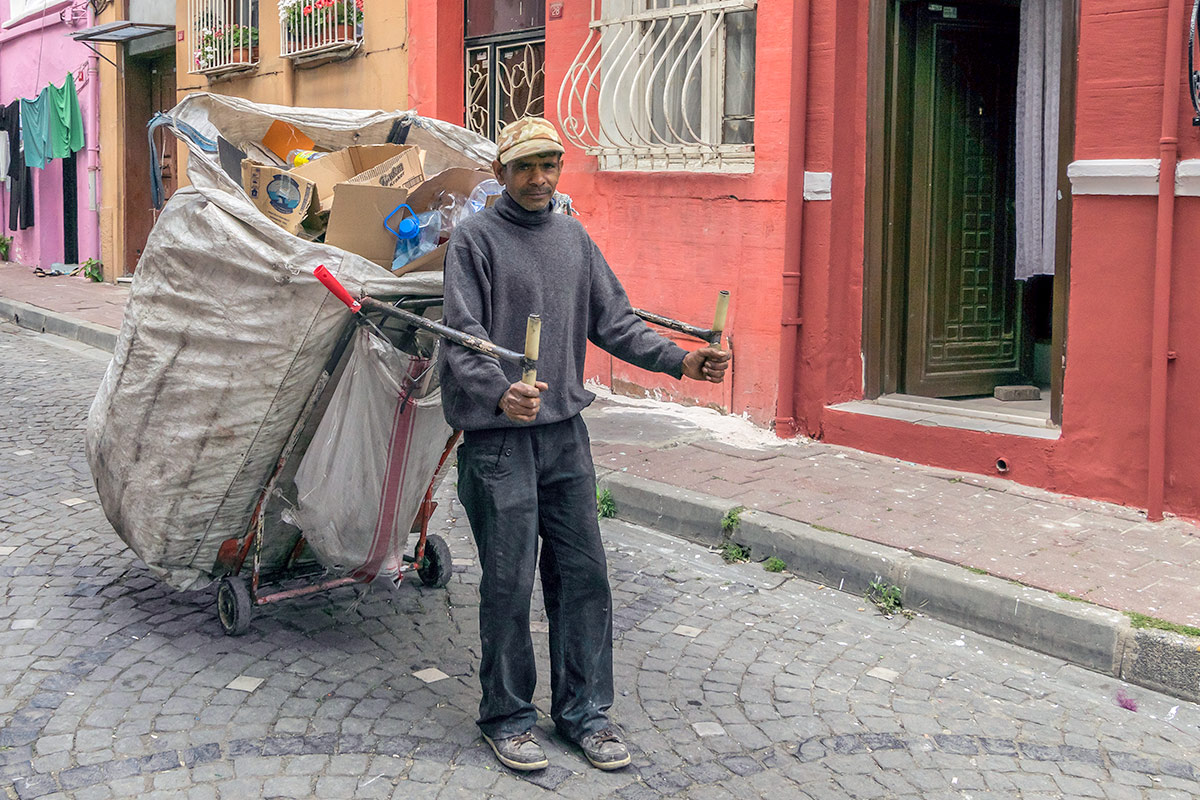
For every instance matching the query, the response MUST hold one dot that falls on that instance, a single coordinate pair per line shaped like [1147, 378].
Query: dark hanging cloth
[20, 198]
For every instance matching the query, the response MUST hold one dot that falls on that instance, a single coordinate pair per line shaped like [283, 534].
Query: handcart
[274, 549]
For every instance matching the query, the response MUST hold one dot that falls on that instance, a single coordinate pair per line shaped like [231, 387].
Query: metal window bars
[651, 86]
[506, 80]
[222, 35]
[312, 27]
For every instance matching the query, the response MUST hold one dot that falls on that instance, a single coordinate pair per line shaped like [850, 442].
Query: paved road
[732, 682]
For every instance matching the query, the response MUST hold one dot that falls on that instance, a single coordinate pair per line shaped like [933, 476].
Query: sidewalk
[81, 309]
[987, 554]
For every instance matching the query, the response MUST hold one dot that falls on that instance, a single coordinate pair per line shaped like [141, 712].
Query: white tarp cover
[225, 334]
[375, 451]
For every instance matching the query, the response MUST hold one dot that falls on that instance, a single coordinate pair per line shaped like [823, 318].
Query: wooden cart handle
[533, 338]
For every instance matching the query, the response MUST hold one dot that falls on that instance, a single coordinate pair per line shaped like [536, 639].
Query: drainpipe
[93, 145]
[793, 246]
[1160, 356]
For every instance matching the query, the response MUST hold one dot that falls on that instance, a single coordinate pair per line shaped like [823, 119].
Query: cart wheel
[436, 569]
[233, 606]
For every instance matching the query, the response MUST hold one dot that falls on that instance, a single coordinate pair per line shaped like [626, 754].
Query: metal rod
[458, 337]
[710, 335]
[303, 590]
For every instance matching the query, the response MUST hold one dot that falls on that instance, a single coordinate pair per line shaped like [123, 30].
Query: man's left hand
[706, 364]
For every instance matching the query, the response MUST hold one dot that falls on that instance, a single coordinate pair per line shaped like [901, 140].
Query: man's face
[530, 180]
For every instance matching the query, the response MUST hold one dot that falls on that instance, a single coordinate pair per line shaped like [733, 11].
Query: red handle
[332, 284]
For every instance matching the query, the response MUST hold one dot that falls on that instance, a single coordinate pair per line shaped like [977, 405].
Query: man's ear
[498, 171]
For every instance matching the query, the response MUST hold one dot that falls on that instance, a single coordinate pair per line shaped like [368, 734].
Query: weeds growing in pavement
[732, 552]
[1143, 621]
[888, 598]
[774, 564]
[605, 505]
[731, 520]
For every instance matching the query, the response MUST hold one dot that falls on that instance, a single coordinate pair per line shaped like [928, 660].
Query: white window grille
[222, 35]
[319, 27]
[664, 85]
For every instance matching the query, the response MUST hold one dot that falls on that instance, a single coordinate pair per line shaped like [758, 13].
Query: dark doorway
[149, 87]
[944, 313]
[964, 332]
[70, 189]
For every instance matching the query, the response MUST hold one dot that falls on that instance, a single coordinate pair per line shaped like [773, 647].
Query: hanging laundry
[35, 130]
[52, 124]
[66, 121]
[20, 199]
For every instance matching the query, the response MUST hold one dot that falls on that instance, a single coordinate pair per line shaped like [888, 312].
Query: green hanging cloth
[35, 129]
[66, 121]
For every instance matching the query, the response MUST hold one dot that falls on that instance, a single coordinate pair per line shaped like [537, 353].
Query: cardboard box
[404, 171]
[285, 198]
[356, 221]
[340, 166]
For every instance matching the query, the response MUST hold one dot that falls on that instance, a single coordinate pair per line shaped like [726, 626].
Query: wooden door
[963, 329]
[149, 87]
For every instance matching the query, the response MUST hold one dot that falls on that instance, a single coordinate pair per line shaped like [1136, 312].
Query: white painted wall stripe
[1114, 176]
[1131, 177]
[1187, 178]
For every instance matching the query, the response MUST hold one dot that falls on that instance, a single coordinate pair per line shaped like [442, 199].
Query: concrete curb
[43, 321]
[1087, 635]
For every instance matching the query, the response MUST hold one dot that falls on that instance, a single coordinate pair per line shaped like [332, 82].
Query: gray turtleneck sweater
[505, 263]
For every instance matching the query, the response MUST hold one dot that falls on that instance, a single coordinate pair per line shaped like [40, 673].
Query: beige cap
[526, 137]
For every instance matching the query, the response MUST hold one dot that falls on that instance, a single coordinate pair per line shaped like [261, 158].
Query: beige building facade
[338, 53]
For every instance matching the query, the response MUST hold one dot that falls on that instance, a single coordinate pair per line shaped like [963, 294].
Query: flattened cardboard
[433, 261]
[356, 221]
[340, 166]
[285, 198]
[457, 180]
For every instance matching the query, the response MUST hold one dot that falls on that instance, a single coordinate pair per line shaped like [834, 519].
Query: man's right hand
[521, 402]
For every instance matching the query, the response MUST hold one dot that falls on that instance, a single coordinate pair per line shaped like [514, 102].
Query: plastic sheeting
[375, 452]
[225, 335]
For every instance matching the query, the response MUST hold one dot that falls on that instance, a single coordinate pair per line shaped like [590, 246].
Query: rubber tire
[438, 566]
[233, 606]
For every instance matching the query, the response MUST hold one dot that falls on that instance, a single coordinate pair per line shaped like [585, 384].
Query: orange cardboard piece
[283, 137]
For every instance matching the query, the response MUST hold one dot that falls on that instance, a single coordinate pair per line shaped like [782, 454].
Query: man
[525, 465]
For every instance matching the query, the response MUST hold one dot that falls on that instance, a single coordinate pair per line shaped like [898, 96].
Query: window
[665, 85]
[506, 57]
[320, 27]
[18, 10]
[222, 35]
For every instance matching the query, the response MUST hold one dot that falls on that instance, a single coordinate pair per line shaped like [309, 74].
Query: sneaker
[520, 752]
[605, 749]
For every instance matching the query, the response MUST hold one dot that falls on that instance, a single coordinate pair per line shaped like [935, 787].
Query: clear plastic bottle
[418, 242]
[479, 195]
[298, 158]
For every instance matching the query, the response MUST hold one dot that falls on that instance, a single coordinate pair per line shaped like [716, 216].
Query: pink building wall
[34, 53]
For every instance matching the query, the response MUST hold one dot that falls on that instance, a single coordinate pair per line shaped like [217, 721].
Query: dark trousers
[519, 484]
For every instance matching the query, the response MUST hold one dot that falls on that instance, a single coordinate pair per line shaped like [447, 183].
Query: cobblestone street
[732, 682]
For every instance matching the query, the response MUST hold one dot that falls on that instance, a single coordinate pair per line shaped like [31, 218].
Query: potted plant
[314, 22]
[242, 41]
[218, 45]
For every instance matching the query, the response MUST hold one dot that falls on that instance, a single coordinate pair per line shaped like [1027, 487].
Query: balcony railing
[314, 27]
[222, 35]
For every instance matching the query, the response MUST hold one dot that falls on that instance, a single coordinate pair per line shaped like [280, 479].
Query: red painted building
[912, 203]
